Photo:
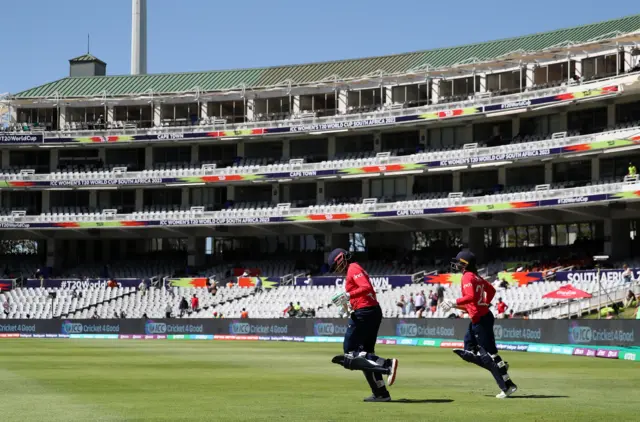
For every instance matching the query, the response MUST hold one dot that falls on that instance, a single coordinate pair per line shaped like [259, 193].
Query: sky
[195, 35]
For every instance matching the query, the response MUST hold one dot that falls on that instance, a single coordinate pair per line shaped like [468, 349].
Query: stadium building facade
[513, 143]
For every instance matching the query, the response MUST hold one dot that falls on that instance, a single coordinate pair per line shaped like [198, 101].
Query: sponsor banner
[575, 334]
[383, 281]
[9, 335]
[251, 282]
[429, 342]
[315, 127]
[629, 355]
[315, 339]
[94, 336]
[581, 351]
[6, 284]
[16, 138]
[562, 350]
[521, 278]
[378, 281]
[607, 353]
[78, 284]
[592, 275]
[540, 348]
[452, 345]
[513, 347]
[233, 337]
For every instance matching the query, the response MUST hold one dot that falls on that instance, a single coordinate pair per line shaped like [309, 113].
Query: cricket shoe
[509, 391]
[462, 353]
[393, 370]
[377, 399]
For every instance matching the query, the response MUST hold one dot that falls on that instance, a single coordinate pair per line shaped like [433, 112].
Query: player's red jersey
[501, 307]
[358, 285]
[477, 294]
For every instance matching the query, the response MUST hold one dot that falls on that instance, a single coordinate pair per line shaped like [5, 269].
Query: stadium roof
[86, 58]
[221, 80]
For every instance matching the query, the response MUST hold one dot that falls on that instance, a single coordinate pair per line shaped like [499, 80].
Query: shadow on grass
[405, 401]
[535, 396]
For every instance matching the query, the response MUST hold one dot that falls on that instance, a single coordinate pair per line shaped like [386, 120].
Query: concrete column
[578, 67]
[548, 173]
[411, 179]
[240, 149]
[93, 199]
[528, 71]
[595, 169]
[286, 149]
[502, 176]
[249, 110]
[157, 114]
[483, 83]
[90, 250]
[611, 115]
[204, 110]
[388, 94]
[319, 192]
[342, 102]
[515, 125]
[366, 191]
[275, 193]
[423, 137]
[110, 114]
[435, 90]
[628, 59]
[139, 204]
[102, 155]
[186, 199]
[473, 237]
[285, 193]
[148, 158]
[62, 117]
[46, 201]
[53, 159]
[295, 106]
[377, 142]
[195, 154]
[231, 193]
[456, 181]
[617, 239]
[331, 147]
[51, 253]
[6, 158]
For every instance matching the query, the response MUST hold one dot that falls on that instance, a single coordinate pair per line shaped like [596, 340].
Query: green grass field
[105, 380]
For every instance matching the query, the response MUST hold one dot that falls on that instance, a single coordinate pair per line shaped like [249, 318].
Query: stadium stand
[528, 159]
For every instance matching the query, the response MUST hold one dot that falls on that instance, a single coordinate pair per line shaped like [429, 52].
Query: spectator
[609, 315]
[632, 170]
[184, 306]
[194, 303]
[402, 304]
[115, 314]
[631, 300]
[627, 274]
[433, 301]
[144, 316]
[290, 310]
[411, 304]
[440, 291]
[298, 308]
[167, 311]
[142, 287]
[420, 304]
[504, 284]
[122, 315]
[215, 314]
[244, 314]
[230, 284]
[502, 308]
[258, 285]
[112, 284]
[7, 307]
[246, 273]
[511, 315]
[309, 280]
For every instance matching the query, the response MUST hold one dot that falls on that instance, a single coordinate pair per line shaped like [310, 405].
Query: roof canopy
[223, 80]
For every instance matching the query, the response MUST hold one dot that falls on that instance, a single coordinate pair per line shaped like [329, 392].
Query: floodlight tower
[139, 37]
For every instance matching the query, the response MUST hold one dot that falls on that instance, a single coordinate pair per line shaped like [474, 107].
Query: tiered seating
[128, 269]
[37, 303]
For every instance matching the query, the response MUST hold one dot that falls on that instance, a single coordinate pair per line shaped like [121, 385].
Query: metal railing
[473, 101]
[263, 215]
[457, 157]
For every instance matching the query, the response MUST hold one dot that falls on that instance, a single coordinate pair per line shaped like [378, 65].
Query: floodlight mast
[139, 37]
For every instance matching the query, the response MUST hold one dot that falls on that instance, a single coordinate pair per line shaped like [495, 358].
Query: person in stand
[420, 304]
[184, 306]
[244, 314]
[194, 303]
[362, 331]
[479, 341]
[632, 170]
[501, 307]
[433, 302]
[167, 311]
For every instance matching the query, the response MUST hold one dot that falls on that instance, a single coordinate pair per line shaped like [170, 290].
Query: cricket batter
[362, 333]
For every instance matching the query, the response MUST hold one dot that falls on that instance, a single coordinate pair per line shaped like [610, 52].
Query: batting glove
[340, 299]
[446, 305]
